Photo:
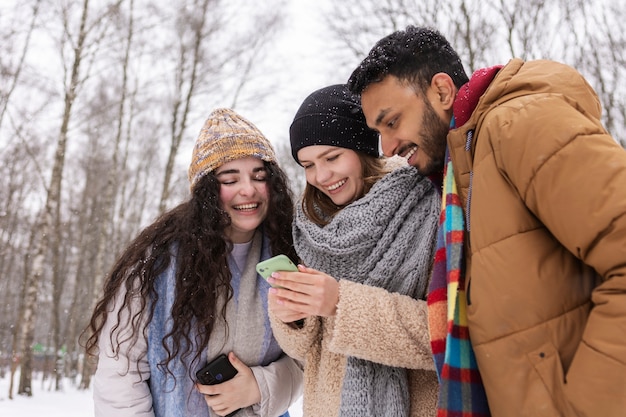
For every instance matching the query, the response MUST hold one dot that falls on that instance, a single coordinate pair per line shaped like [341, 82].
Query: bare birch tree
[192, 23]
[468, 28]
[525, 24]
[356, 29]
[5, 94]
[111, 186]
[87, 220]
[603, 59]
[45, 227]
[46, 224]
[203, 27]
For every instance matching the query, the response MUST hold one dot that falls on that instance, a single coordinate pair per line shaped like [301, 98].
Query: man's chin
[430, 167]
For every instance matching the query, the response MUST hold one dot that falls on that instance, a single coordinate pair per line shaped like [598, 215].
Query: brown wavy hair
[197, 228]
[320, 209]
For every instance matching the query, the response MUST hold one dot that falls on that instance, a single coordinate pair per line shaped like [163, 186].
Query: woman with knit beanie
[186, 290]
[356, 313]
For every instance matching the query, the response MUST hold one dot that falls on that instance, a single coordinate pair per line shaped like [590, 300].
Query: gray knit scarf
[385, 239]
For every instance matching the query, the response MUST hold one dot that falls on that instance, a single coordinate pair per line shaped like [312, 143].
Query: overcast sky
[301, 51]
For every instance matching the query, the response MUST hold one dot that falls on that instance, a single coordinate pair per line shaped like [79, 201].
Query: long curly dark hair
[197, 228]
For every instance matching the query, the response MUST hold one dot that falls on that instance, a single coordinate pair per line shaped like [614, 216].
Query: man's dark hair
[412, 55]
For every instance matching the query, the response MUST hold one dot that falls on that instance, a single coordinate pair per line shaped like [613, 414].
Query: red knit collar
[470, 92]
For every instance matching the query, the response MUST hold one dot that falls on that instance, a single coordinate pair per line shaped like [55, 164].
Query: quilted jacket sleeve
[575, 184]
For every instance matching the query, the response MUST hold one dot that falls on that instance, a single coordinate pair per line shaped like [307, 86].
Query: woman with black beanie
[355, 312]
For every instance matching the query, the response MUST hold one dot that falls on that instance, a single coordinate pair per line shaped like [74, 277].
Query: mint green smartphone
[277, 263]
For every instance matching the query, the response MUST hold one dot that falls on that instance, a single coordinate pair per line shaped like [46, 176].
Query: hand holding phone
[217, 371]
[276, 263]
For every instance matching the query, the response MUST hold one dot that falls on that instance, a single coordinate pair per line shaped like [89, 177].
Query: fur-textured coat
[397, 335]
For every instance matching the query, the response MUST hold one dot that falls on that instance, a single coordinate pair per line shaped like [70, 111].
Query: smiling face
[335, 171]
[244, 196]
[410, 124]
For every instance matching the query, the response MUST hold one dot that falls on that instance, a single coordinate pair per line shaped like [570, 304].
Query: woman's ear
[443, 86]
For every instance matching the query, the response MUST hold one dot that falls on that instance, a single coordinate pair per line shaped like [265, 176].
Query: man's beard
[433, 138]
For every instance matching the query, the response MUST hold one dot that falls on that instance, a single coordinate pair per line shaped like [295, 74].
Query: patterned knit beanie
[332, 116]
[226, 136]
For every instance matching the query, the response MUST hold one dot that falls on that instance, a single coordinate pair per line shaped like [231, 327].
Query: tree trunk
[178, 130]
[5, 97]
[108, 203]
[58, 282]
[15, 354]
[46, 225]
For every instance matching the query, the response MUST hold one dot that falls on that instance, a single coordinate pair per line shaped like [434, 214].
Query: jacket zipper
[468, 146]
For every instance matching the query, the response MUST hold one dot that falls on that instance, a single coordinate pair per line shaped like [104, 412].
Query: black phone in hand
[217, 371]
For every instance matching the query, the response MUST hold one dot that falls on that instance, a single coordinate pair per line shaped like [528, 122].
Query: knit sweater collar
[470, 93]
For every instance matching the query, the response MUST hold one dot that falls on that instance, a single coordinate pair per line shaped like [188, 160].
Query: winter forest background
[101, 102]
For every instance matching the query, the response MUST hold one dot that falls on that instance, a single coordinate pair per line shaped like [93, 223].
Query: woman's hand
[303, 293]
[239, 392]
[282, 312]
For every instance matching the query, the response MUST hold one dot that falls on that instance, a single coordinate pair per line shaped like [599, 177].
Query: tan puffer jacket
[546, 278]
[371, 324]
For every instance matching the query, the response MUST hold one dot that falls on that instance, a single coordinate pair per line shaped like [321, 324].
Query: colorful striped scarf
[461, 389]
[461, 392]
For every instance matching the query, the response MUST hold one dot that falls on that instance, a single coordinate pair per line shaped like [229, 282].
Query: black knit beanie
[332, 116]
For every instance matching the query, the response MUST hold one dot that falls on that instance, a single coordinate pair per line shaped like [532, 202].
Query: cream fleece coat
[371, 324]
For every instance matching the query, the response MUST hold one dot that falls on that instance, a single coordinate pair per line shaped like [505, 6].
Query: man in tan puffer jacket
[542, 185]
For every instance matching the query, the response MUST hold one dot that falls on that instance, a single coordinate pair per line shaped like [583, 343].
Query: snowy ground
[70, 403]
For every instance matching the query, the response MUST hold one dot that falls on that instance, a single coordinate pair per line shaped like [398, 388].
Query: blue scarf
[175, 395]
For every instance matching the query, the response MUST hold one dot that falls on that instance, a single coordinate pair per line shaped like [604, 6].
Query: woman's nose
[246, 188]
[322, 175]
